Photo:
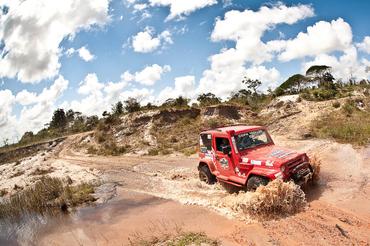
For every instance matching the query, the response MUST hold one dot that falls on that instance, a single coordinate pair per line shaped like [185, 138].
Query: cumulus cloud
[365, 45]
[322, 37]
[82, 52]
[90, 85]
[99, 96]
[7, 100]
[246, 29]
[85, 54]
[41, 25]
[182, 8]
[184, 86]
[36, 111]
[346, 66]
[148, 76]
[146, 41]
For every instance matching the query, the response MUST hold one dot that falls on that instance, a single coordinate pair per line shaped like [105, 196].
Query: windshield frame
[269, 139]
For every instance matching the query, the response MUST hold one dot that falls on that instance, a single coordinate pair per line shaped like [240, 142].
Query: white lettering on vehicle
[254, 162]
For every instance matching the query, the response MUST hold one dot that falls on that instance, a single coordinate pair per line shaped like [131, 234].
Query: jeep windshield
[251, 139]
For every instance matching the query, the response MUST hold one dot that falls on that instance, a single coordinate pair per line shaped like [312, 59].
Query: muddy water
[131, 214]
[165, 193]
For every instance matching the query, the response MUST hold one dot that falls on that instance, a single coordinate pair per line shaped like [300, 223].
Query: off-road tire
[206, 176]
[255, 181]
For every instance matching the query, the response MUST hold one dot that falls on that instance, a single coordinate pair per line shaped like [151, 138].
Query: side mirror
[203, 149]
[226, 150]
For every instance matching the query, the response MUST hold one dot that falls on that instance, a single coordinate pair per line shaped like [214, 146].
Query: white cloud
[344, 67]
[184, 86]
[85, 54]
[323, 37]
[32, 117]
[140, 6]
[148, 76]
[33, 30]
[25, 97]
[6, 103]
[146, 42]
[82, 52]
[246, 28]
[90, 85]
[365, 45]
[181, 8]
[270, 77]
[100, 96]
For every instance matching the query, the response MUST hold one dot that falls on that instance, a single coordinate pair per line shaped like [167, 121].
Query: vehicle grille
[294, 163]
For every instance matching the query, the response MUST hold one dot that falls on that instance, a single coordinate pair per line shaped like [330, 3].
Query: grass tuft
[46, 196]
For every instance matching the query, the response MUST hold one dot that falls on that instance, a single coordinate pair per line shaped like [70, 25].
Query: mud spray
[277, 199]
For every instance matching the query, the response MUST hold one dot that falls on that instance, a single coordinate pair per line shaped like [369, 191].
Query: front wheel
[255, 181]
[206, 176]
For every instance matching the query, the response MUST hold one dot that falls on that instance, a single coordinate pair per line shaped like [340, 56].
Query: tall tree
[59, 119]
[252, 84]
[207, 99]
[117, 109]
[132, 105]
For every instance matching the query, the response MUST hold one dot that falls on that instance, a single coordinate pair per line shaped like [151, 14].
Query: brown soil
[166, 191]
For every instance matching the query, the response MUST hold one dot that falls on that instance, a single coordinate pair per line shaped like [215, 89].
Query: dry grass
[348, 125]
[39, 171]
[276, 199]
[47, 195]
[162, 233]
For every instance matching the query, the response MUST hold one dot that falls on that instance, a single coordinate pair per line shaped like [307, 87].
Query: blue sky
[87, 55]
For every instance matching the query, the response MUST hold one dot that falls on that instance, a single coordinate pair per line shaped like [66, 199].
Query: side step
[229, 182]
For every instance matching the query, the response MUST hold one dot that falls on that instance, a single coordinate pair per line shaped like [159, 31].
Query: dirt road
[160, 194]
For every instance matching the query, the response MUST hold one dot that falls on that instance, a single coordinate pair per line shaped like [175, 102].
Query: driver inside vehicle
[222, 143]
[247, 142]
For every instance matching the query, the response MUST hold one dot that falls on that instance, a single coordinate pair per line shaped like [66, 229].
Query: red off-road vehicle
[247, 156]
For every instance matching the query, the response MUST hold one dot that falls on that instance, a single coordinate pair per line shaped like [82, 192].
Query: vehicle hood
[269, 155]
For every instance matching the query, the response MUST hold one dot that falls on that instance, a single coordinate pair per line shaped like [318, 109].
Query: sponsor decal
[255, 162]
[237, 171]
[224, 163]
[269, 163]
[280, 153]
[245, 159]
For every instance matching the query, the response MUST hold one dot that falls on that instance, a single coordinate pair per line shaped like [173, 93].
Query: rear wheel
[205, 175]
[255, 181]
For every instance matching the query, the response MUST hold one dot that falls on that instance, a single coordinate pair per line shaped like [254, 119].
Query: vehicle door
[224, 161]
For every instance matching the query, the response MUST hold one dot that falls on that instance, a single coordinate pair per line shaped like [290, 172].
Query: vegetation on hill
[317, 84]
[62, 124]
[351, 124]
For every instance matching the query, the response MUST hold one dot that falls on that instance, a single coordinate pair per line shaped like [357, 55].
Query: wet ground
[154, 194]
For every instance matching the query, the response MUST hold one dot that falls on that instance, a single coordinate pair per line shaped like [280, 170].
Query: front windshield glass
[251, 139]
